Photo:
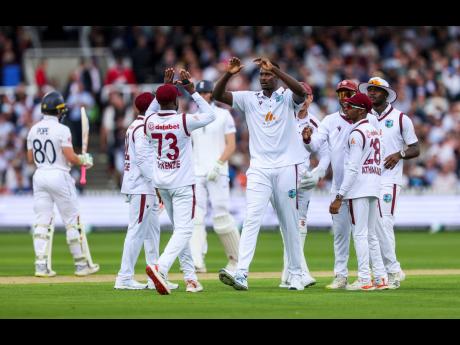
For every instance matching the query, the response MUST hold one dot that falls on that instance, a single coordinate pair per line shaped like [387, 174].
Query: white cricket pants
[55, 186]
[180, 205]
[280, 184]
[143, 228]
[385, 231]
[363, 214]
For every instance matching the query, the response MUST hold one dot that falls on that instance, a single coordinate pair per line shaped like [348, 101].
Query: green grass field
[421, 296]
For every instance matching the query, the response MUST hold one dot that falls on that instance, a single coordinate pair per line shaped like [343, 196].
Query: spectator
[119, 73]
[41, 78]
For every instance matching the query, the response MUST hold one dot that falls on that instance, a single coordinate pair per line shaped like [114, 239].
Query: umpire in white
[213, 145]
[49, 146]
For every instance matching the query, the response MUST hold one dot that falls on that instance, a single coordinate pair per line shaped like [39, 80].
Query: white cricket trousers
[385, 226]
[180, 205]
[363, 214]
[55, 186]
[280, 184]
[143, 228]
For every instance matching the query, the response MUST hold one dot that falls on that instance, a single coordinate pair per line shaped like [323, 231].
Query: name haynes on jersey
[168, 165]
[169, 126]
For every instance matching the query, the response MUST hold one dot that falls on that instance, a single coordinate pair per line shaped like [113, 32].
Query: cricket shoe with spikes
[85, 270]
[129, 285]
[171, 285]
[360, 285]
[158, 279]
[193, 286]
[42, 271]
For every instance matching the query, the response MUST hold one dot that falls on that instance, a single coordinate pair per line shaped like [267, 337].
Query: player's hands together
[86, 159]
[335, 206]
[169, 75]
[311, 178]
[264, 63]
[215, 172]
[186, 81]
[234, 65]
[391, 160]
[306, 134]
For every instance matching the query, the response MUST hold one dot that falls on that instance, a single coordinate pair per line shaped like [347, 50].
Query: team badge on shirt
[279, 98]
[389, 123]
[292, 193]
[387, 197]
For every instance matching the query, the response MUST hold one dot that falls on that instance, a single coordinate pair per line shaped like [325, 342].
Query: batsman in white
[334, 130]
[360, 189]
[49, 146]
[398, 132]
[144, 206]
[213, 145]
[173, 175]
[274, 147]
[306, 119]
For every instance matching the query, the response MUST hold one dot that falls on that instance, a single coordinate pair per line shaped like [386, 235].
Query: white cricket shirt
[46, 139]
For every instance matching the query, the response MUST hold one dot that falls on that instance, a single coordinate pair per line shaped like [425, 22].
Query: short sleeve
[66, 137]
[229, 123]
[239, 100]
[408, 131]
[356, 140]
[29, 140]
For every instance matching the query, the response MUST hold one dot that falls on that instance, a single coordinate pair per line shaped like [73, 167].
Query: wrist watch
[402, 153]
[339, 197]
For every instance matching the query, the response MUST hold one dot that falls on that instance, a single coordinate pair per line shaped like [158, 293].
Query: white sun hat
[381, 83]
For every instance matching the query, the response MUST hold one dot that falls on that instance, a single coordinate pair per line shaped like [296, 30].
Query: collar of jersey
[276, 93]
[361, 122]
[50, 117]
[387, 110]
[166, 112]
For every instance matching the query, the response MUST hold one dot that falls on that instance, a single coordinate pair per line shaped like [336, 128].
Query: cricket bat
[84, 141]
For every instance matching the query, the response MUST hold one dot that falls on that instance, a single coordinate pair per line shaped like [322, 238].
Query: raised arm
[219, 93]
[299, 92]
[168, 79]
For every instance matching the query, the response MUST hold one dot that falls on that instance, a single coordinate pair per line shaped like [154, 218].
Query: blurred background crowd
[421, 63]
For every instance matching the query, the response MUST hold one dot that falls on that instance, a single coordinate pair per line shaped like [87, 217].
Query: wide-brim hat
[381, 83]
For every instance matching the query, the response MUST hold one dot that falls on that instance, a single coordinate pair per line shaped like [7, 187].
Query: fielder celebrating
[212, 147]
[360, 188]
[174, 177]
[49, 146]
[398, 131]
[144, 223]
[274, 147]
[334, 130]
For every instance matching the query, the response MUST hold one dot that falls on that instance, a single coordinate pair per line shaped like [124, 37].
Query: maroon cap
[360, 100]
[167, 93]
[348, 85]
[143, 101]
[307, 88]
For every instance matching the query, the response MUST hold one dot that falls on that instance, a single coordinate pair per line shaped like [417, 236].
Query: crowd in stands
[421, 63]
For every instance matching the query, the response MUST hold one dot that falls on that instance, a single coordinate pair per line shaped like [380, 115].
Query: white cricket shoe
[43, 272]
[86, 270]
[238, 281]
[308, 280]
[394, 279]
[158, 279]
[296, 283]
[129, 285]
[360, 285]
[193, 286]
[171, 285]
[339, 282]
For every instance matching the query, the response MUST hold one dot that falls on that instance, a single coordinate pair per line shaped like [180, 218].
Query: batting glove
[86, 159]
[215, 172]
[311, 178]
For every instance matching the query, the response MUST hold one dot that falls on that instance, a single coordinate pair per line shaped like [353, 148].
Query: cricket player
[306, 119]
[334, 130]
[360, 189]
[144, 223]
[173, 175]
[398, 132]
[213, 145]
[274, 147]
[49, 146]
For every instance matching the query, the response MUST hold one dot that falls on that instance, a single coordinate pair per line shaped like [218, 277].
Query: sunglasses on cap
[349, 106]
[345, 94]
